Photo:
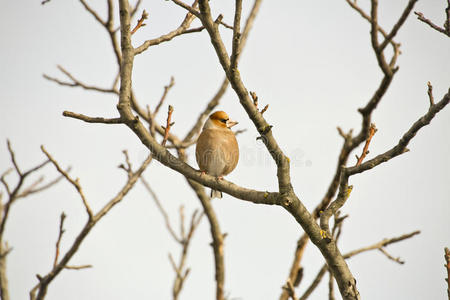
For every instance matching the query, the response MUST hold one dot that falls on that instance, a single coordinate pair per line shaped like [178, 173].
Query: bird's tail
[216, 194]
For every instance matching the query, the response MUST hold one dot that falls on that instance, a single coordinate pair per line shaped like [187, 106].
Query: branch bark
[44, 281]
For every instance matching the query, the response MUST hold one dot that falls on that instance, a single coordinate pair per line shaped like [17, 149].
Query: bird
[217, 150]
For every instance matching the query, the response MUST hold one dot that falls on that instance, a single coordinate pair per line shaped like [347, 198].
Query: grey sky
[312, 62]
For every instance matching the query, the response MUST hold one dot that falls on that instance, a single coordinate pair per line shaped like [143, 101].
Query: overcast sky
[312, 62]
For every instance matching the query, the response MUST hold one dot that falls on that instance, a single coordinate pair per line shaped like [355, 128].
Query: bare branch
[13, 158]
[61, 232]
[220, 21]
[78, 267]
[447, 267]
[374, 39]
[168, 125]
[189, 138]
[161, 210]
[182, 29]
[41, 287]
[135, 9]
[127, 167]
[33, 189]
[399, 24]
[92, 119]
[14, 194]
[351, 143]
[236, 34]
[365, 151]
[77, 83]
[400, 148]
[93, 12]
[289, 287]
[127, 187]
[445, 30]
[430, 93]
[396, 259]
[368, 18]
[314, 283]
[140, 22]
[379, 245]
[191, 9]
[164, 95]
[4, 288]
[74, 182]
[3, 180]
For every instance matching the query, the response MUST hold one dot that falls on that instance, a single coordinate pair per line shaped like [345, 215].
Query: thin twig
[164, 95]
[191, 9]
[77, 83]
[74, 182]
[140, 22]
[378, 245]
[430, 93]
[13, 194]
[135, 9]
[161, 210]
[422, 18]
[399, 24]
[447, 267]
[365, 151]
[41, 287]
[396, 259]
[168, 125]
[61, 232]
[88, 119]
[13, 158]
[78, 267]
[92, 12]
[400, 148]
[180, 30]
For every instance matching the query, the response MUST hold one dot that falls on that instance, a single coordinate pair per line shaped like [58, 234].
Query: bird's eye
[224, 120]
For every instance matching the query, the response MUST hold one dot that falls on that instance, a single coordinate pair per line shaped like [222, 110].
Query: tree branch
[92, 119]
[445, 30]
[399, 24]
[14, 194]
[161, 210]
[383, 243]
[365, 151]
[74, 182]
[447, 267]
[42, 286]
[61, 232]
[77, 83]
[140, 22]
[182, 29]
[351, 143]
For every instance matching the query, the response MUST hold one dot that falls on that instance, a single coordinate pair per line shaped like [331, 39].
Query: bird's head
[218, 120]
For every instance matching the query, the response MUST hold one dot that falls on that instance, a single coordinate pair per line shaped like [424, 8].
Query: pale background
[312, 61]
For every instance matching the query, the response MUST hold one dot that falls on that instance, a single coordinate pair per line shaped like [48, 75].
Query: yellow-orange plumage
[217, 150]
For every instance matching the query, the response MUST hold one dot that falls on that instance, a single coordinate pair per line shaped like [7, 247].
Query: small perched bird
[217, 151]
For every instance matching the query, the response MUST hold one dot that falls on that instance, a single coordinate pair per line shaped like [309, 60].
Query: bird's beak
[231, 123]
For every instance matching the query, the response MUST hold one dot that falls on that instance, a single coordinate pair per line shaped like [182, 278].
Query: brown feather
[217, 148]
